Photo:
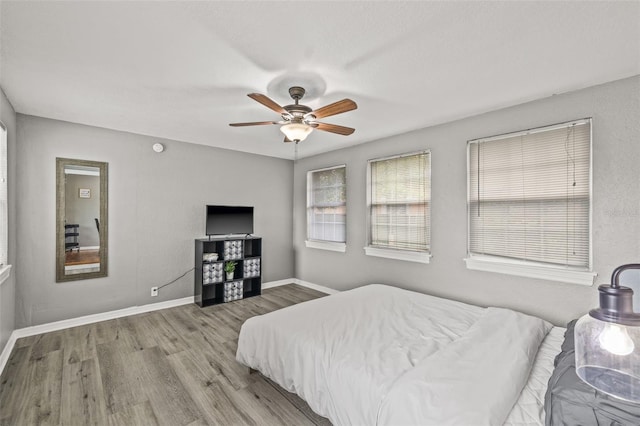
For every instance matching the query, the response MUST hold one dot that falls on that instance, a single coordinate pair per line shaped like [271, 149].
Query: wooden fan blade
[335, 108]
[266, 101]
[255, 123]
[333, 128]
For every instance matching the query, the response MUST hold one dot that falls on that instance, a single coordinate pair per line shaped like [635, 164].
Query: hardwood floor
[84, 257]
[171, 367]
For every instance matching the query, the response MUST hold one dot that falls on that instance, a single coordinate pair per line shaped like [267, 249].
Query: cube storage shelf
[210, 285]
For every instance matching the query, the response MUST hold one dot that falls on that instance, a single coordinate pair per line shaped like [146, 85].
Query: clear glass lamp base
[608, 357]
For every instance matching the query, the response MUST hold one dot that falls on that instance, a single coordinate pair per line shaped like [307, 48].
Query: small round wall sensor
[158, 147]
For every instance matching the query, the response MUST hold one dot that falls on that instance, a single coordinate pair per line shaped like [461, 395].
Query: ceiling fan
[298, 120]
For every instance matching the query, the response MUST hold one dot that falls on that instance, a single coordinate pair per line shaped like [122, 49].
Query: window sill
[530, 270]
[409, 256]
[326, 245]
[5, 273]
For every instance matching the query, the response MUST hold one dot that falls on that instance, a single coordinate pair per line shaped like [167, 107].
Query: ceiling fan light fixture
[299, 120]
[296, 132]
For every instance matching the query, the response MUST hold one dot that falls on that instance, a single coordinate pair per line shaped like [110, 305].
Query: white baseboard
[318, 287]
[278, 283]
[104, 316]
[4, 356]
[307, 284]
[83, 266]
[84, 320]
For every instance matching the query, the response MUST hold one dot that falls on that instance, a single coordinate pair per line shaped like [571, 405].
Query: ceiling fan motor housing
[296, 92]
[296, 110]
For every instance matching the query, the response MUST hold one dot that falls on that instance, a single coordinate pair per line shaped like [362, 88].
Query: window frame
[325, 244]
[5, 269]
[526, 268]
[391, 253]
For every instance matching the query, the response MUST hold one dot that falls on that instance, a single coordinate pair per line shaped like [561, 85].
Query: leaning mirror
[81, 219]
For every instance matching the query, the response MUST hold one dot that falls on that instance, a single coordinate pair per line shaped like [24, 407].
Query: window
[529, 203]
[4, 237]
[399, 207]
[327, 208]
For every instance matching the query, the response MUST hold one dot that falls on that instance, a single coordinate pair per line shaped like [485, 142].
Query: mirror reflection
[81, 210]
[82, 207]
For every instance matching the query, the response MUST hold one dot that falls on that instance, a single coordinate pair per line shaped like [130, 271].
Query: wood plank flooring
[83, 257]
[171, 367]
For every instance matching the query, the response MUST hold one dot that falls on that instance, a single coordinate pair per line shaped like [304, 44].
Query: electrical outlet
[154, 291]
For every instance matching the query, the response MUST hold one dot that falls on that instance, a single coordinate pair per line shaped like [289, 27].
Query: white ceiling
[181, 70]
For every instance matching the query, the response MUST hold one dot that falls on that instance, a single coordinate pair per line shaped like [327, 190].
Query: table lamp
[607, 342]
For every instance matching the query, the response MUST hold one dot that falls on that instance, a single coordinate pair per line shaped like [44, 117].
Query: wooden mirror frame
[61, 163]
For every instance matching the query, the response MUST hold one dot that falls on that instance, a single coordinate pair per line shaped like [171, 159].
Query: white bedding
[529, 410]
[380, 355]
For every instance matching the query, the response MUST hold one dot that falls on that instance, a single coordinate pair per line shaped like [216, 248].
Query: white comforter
[379, 355]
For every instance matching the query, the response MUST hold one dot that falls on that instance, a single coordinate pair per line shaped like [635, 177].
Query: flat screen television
[226, 220]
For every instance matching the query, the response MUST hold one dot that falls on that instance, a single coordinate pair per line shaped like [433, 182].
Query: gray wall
[615, 108]
[8, 288]
[156, 209]
[83, 211]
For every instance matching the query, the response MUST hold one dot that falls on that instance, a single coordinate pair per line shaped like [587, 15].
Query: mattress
[383, 355]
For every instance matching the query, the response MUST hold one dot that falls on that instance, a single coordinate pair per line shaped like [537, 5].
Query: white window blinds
[399, 209]
[327, 204]
[4, 237]
[529, 195]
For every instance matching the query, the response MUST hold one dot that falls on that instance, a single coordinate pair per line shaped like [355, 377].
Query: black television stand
[211, 285]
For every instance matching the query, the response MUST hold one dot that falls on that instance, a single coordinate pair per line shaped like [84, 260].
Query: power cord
[173, 281]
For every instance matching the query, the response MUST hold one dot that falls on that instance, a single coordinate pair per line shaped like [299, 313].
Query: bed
[380, 355]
